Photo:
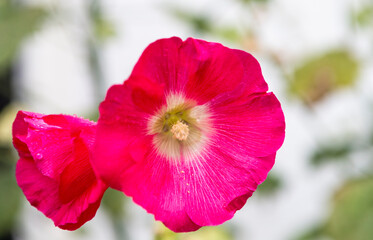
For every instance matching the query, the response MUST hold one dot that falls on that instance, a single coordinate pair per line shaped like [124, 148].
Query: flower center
[176, 121]
[180, 131]
[180, 128]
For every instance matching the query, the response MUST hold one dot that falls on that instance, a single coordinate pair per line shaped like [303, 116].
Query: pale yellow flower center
[180, 131]
[180, 128]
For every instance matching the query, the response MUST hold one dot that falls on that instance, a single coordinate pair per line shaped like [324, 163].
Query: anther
[180, 131]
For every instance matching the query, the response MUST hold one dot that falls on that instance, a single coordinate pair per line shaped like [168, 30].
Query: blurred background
[317, 57]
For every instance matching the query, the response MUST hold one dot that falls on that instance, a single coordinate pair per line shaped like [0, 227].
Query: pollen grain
[180, 131]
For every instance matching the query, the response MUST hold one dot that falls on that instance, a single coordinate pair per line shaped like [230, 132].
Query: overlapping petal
[202, 70]
[122, 122]
[54, 169]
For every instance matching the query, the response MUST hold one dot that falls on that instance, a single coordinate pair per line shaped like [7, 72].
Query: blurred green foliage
[270, 185]
[254, 1]
[103, 29]
[205, 233]
[16, 23]
[364, 16]
[320, 75]
[340, 149]
[204, 24]
[199, 22]
[316, 233]
[10, 193]
[113, 202]
[332, 152]
[352, 215]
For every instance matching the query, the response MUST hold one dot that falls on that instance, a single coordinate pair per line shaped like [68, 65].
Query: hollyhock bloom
[54, 171]
[190, 134]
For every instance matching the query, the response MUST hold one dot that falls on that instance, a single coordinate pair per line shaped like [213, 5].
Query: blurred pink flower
[190, 134]
[54, 171]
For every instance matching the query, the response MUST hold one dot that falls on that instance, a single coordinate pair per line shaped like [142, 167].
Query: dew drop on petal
[39, 156]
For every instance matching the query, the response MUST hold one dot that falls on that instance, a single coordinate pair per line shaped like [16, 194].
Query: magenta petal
[220, 184]
[146, 94]
[54, 170]
[78, 175]
[255, 126]
[185, 197]
[253, 81]
[158, 187]
[212, 69]
[202, 69]
[42, 193]
[159, 63]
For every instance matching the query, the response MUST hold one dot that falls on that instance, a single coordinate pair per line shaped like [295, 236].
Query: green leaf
[352, 215]
[323, 74]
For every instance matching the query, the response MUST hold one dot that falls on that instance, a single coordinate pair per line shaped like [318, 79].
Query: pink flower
[54, 171]
[191, 133]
